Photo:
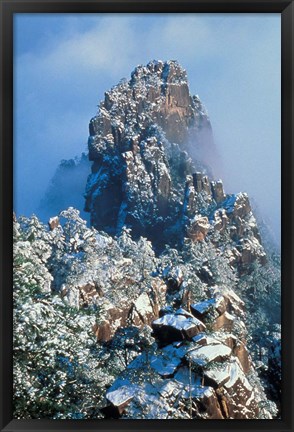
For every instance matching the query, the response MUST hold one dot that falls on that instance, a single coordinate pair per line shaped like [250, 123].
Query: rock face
[143, 176]
[195, 374]
[142, 127]
[139, 313]
[200, 367]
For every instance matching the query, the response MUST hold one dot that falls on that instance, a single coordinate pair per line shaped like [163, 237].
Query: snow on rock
[167, 362]
[208, 353]
[165, 367]
[243, 400]
[140, 126]
[198, 228]
[202, 309]
[204, 339]
[224, 321]
[119, 399]
[170, 328]
[218, 375]
[237, 374]
[121, 396]
[204, 370]
[143, 306]
[203, 306]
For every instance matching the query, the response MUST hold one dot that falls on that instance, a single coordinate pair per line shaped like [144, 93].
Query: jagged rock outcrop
[140, 312]
[195, 374]
[221, 213]
[196, 371]
[143, 176]
[138, 144]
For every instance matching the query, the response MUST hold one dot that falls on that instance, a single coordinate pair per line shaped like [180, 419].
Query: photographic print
[147, 216]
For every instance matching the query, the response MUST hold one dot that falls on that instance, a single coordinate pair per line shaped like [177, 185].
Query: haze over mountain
[63, 63]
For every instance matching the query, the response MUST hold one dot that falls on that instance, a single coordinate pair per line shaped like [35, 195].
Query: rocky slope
[145, 176]
[194, 372]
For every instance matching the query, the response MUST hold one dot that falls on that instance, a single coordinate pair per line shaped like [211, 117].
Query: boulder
[226, 300]
[119, 399]
[206, 354]
[198, 228]
[240, 393]
[204, 309]
[217, 376]
[172, 327]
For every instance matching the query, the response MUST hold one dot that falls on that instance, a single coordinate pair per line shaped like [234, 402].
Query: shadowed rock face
[138, 143]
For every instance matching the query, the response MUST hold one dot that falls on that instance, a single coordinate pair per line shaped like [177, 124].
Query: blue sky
[63, 64]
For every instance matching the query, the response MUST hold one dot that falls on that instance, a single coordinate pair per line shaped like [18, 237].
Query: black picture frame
[8, 9]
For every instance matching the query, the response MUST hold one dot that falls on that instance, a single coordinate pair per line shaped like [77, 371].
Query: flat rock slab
[171, 328]
[209, 353]
[121, 397]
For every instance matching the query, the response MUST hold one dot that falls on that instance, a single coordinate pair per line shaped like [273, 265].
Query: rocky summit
[139, 144]
[146, 174]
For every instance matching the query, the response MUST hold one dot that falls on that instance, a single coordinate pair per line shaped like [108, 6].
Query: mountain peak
[157, 93]
[144, 144]
[166, 71]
